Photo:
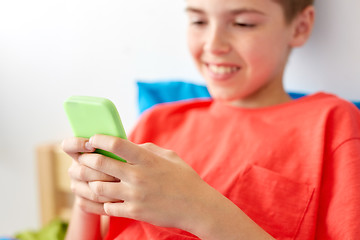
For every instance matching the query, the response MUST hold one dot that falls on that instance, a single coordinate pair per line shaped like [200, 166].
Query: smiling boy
[241, 48]
[250, 164]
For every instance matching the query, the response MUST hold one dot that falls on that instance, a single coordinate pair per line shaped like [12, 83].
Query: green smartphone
[94, 115]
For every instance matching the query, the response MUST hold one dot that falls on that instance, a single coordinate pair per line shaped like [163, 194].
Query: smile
[222, 70]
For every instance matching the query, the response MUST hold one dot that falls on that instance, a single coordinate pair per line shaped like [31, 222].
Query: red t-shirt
[293, 168]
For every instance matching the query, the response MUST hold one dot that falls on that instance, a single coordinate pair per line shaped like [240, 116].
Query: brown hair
[293, 7]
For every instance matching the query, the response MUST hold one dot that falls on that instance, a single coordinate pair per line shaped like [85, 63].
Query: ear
[302, 27]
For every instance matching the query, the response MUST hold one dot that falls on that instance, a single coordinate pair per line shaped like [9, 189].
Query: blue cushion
[151, 93]
[357, 104]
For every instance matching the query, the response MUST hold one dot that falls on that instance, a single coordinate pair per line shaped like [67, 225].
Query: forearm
[218, 218]
[83, 225]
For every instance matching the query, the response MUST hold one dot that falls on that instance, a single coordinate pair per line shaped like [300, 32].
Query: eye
[244, 25]
[198, 22]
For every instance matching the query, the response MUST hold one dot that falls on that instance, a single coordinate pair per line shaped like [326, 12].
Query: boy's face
[239, 46]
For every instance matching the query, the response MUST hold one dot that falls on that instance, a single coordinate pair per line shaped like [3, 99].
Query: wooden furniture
[56, 198]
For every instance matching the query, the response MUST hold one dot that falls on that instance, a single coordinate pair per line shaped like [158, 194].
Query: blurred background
[50, 50]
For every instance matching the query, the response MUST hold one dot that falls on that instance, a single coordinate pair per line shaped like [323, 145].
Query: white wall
[50, 50]
[331, 59]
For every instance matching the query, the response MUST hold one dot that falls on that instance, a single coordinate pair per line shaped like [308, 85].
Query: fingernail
[91, 140]
[89, 147]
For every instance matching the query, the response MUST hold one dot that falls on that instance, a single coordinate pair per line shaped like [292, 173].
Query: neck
[269, 95]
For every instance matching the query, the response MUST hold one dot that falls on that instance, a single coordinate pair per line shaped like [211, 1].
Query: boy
[249, 164]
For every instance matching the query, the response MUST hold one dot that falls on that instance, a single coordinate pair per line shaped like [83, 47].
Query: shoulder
[337, 108]
[165, 116]
[326, 116]
[341, 118]
[325, 105]
[328, 101]
[182, 107]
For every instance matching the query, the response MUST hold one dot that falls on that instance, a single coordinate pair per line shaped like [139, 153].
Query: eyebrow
[232, 12]
[246, 10]
[192, 9]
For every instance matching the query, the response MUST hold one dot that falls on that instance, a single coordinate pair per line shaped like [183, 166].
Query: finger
[168, 154]
[74, 146]
[112, 190]
[118, 209]
[106, 165]
[90, 206]
[152, 148]
[123, 209]
[86, 174]
[83, 190]
[125, 149]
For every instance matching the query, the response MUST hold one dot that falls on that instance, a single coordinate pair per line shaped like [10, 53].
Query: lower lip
[220, 77]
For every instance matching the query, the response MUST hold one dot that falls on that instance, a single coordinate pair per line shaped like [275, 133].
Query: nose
[216, 41]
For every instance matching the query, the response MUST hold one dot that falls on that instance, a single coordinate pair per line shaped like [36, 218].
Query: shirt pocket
[274, 202]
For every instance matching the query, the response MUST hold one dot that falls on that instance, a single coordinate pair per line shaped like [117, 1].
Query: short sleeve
[339, 207]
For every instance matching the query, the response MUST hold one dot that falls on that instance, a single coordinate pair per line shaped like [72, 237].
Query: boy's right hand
[81, 175]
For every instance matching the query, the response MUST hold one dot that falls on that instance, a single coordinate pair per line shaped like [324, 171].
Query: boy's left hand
[156, 185]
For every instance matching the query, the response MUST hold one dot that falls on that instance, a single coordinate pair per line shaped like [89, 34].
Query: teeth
[222, 70]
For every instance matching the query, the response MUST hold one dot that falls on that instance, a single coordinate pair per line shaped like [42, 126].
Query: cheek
[266, 57]
[194, 45]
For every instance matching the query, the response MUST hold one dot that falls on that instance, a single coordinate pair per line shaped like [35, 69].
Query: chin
[224, 97]
[224, 93]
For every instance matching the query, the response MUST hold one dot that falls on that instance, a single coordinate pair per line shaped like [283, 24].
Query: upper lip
[222, 64]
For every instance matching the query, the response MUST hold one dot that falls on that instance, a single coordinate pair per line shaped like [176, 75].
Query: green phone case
[94, 115]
